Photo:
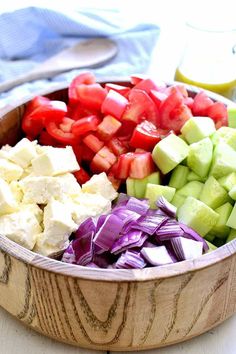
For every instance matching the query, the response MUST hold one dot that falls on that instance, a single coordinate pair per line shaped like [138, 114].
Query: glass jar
[209, 59]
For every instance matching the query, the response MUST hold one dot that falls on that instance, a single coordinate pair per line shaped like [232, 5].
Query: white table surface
[15, 338]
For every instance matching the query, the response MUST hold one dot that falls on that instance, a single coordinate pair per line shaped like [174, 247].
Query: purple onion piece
[185, 248]
[134, 238]
[156, 255]
[130, 260]
[169, 230]
[166, 207]
[150, 223]
[138, 206]
[69, 255]
[83, 248]
[122, 199]
[109, 232]
[192, 234]
[88, 225]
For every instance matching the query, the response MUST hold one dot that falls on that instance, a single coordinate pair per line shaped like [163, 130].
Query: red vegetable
[114, 104]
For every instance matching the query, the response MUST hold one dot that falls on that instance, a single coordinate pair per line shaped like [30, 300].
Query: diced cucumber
[232, 193]
[226, 135]
[179, 177]
[200, 157]
[130, 187]
[197, 215]
[192, 189]
[231, 222]
[137, 187]
[155, 191]
[232, 116]
[228, 182]
[178, 199]
[220, 230]
[169, 152]
[232, 235]
[213, 194]
[211, 246]
[198, 128]
[209, 237]
[192, 176]
[224, 161]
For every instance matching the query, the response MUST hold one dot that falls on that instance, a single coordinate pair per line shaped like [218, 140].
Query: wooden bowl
[107, 309]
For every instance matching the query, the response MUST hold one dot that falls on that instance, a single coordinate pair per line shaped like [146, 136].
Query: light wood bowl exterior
[107, 309]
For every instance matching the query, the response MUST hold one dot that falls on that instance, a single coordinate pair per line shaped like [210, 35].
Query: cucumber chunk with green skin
[232, 193]
[211, 247]
[179, 177]
[213, 194]
[228, 182]
[220, 229]
[137, 187]
[224, 161]
[226, 135]
[197, 215]
[155, 191]
[231, 222]
[200, 157]
[198, 128]
[192, 176]
[169, 153]
[178, 200]
[130, 187]
[232, 235]
[192, 189]
[209, 237]
[231, 116]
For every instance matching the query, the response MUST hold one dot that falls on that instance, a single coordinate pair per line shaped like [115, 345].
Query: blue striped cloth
[33, 34]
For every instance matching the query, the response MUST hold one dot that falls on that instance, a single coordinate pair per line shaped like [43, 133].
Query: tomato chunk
[157, 97]
[117, 146]
[179, 116]
[61, 131]
[218, 112]
[146, 136]
[114, 104]
[86, 78]
[141, 107]
[148, 84]
[82, 176]
[123, 90]
[123, 166]
[108, 128]
[91, 96]
[93, 142]
[103, 160]
[142, 165]
[85, 125]
[201, 103]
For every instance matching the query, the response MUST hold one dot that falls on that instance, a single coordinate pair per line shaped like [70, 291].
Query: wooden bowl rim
[114, 275]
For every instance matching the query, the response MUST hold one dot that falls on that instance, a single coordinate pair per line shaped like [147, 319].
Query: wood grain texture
[107, 309]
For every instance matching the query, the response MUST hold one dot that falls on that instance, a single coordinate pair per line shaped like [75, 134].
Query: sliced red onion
[156, 255]
[88, 225]
[122, 199]
[92, 265]
[104, 260]
[129, 260]
[166, 207]
[134, 238]
[192, 234]
[100, 221]
[69, 255]
[168, 230]
[185, 248]
[108, 232]
[150, 223]
[83, 248]
[138, 206]
[125, 215]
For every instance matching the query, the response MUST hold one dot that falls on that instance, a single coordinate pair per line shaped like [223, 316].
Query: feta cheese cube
[41, 189]
[100, 184]
[58, 223]
[16, 190]
[21, 227]
[34, 209]
[46, 249]
[9, 171]
[55, 161]
[23, 152]
[7, 201]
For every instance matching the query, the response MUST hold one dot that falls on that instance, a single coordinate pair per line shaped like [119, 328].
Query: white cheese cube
[86, 205]
[58, 223]
[21, 227]
[7, 201]
[28, 171]
[9, 171]
[55, 161]
[34, 209]
[23, 152]
[41, 189]
[16, 190]
[100, 184]
[46, 249]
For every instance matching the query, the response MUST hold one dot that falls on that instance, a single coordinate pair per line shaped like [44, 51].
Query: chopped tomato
[35, 103]
[189, 102]
[179, 116]
[218, 112]
[117, 146]
[108, 128]
[78, 151]
[123, 166]
[148, 84]
[114, 104]
[173, 101]
[86, 78]
[86, 153]
[116, 182]
[61, 131]
[142, 165]
[93, 142]
[91, 96]
[141, 107]
[135, 79]
[157, 97]
[79, 111]
[181, 88]
[201, 103]
[47, 139]
[123, 90]
[85, 125]
[146, 136]
[82, 176]
[126, 130]
[103, 160]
